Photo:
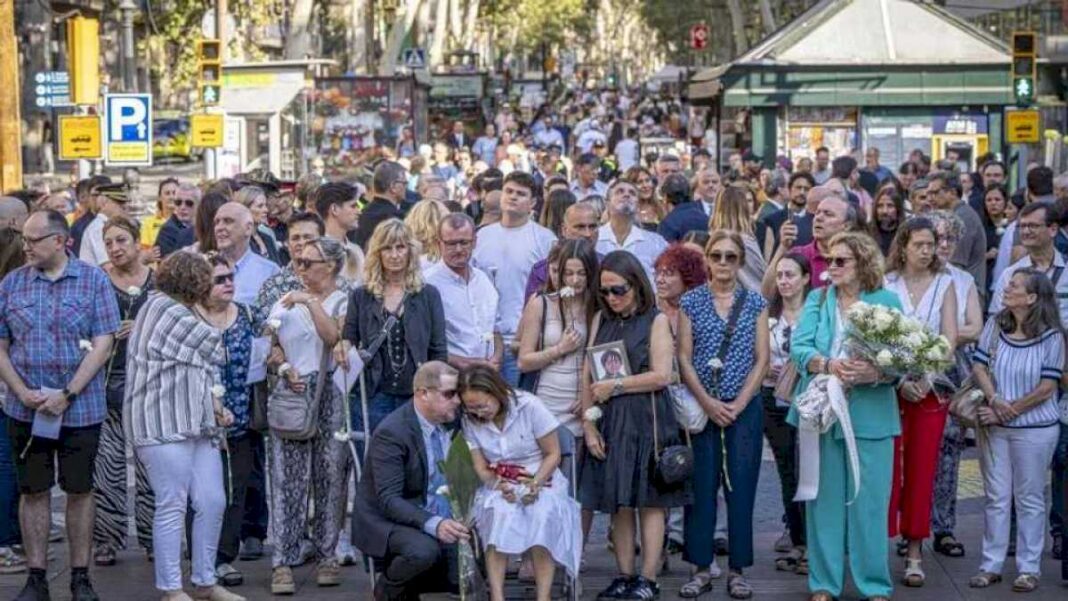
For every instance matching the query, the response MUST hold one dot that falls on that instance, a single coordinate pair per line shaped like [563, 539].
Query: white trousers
[182, 473]
[1018, 468]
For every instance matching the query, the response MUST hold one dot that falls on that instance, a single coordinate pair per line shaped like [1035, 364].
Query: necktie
[437, 504]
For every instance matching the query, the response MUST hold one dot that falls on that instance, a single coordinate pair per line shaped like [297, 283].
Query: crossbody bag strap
[541, 330]
[732, 323]
[656, 433]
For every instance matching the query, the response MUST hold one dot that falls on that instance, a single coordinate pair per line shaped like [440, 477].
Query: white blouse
[299, 339]
[929, 310]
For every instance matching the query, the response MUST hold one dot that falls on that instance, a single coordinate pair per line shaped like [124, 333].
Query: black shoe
[36, 588]
[642, 588]
[673, 547]
[618, 589]
[81, 589]
[721, 547]
[1057, 550]
[251, 549]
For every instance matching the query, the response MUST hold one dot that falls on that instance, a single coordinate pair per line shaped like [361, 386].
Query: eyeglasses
[306, 263]
[448, 394]
[620, 290]
[28, 240]
[457, 243]
[188, 203]
[839, 261]
[1031, 226]
[721, 257]
[223, 278]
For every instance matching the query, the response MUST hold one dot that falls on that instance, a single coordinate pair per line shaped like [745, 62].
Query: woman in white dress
[523, 504]
[928, 294]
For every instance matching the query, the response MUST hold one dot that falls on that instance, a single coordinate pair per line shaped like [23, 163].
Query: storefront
[458, 97]
[355, 118]
[854, 75]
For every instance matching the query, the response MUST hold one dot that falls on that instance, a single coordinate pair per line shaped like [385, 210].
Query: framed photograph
[608, 361]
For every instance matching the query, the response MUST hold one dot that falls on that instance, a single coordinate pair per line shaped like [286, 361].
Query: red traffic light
[699, 36]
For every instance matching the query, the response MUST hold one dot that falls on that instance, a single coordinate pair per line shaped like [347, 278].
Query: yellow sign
[207, 130]
[1022, 127]
[129, 152]
[79, 137]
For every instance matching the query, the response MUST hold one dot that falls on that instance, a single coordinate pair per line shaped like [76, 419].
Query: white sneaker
[344, 552]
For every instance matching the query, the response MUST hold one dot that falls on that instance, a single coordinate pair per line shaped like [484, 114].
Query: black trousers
[417, 563]
[255, 516]
[782, 437]
[238, 477]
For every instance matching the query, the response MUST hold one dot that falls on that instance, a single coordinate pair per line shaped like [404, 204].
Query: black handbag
[674, 464]
[528, 380]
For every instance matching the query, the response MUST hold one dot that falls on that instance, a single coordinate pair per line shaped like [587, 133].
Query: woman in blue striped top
[1018, 365]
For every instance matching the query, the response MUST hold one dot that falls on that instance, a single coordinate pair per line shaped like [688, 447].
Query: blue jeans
[1060, 471]
[510, 367]
[378, 407]
[9, 491]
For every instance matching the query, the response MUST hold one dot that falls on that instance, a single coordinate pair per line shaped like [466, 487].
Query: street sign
[79, 137]
[129, 129]
[206, 130]
[52, 88]
[415, 58]
[1022, 127]
[699, 36]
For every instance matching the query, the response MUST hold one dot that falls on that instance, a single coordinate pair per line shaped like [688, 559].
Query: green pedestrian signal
[1024, 67]
[1025, 90]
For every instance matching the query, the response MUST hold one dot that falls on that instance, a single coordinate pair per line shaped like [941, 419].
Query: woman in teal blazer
[837, 523]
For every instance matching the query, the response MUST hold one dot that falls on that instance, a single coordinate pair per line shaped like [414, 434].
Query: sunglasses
[448, 394]
[186, 203]
[620, 290]
[223, 278]
[306, 263]
[839, 261]
[720, 257]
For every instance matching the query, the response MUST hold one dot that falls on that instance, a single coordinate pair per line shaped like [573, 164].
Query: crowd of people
[636, 313]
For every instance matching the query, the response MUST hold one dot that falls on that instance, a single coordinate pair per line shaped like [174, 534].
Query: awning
[706, 84]
[260, 100]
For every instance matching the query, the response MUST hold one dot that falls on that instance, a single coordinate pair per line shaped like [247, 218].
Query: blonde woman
[733, 212]
[393, 287]
[263, 242]
[423, 221]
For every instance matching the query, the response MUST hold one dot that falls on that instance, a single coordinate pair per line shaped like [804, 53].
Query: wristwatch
[68, 395]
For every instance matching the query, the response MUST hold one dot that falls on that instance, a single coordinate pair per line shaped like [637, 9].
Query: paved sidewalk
[131, 579]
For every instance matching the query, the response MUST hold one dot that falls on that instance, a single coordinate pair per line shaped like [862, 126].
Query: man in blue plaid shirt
[57, 319]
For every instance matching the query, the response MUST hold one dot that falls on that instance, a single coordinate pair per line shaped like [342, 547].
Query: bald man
[580, 223]
[233, 230]
[13, 213]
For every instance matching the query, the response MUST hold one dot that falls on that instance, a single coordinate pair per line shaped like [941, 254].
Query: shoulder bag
[295, 415]
[965, 402]
[689, 413]
[528, 380]
[674, 464]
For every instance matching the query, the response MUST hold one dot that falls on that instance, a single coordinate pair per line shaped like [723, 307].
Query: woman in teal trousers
[837, 524]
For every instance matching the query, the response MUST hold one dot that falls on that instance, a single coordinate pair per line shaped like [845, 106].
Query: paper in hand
[257, 361]
[346, 376]
[45, 425]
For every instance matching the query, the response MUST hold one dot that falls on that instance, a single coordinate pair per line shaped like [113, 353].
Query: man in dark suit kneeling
[398, 517]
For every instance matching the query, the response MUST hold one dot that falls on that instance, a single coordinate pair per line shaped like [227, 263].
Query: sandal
[802, 564]
[738, 587]
[790, 561]
[104, 557]
[699, 584]
[1025, 583]
[914, 576]
[949, 546]
[821, 596]
[902, 548]
[984, 580]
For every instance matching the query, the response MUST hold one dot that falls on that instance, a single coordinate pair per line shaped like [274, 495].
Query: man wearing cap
[111, 201]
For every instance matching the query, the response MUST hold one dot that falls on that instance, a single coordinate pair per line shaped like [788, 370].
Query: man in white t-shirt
[111, 202]
[621, 233]
[507, 251]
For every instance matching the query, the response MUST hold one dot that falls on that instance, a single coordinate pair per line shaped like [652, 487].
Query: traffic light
[83, 60]
[1024, 67]
[209, 72]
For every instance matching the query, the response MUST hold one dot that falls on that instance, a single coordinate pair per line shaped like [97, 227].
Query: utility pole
[10, 124]
[129, 67]
[220, 34]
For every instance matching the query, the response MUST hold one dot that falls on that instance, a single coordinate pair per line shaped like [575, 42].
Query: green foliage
[459, 470]
[529, 23]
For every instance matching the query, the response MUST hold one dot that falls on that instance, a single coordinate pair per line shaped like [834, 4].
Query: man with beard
[889, 215]
[621, 233]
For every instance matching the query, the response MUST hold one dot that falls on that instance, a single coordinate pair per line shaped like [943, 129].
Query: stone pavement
[131, 579]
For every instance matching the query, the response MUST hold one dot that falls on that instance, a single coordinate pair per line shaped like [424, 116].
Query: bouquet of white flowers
[897, 345]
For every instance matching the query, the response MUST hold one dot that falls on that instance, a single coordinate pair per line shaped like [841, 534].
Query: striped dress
[172, 364]
[1018, 368]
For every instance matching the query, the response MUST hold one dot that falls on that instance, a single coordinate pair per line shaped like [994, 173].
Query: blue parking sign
[128, 128]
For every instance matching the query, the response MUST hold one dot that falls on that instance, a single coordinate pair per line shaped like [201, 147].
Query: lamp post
[129, 79]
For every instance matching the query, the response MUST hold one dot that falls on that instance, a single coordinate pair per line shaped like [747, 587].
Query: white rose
[283, 368]
[85, 345]
[133, 291]
[884, 358]
[999, 231]
[218, 391]
[914, 340]
[566, 292]
[772, 322]
[825, 277]
[936, 354]
[882, 320]
[715, 364]
[911, 325]
[443, 490]
[274, 324]
[341, 436]
[976, 395]
[593, 414]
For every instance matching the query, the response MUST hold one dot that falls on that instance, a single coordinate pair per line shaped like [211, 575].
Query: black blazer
[424, 329]
[393, 489]
[377, 211]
